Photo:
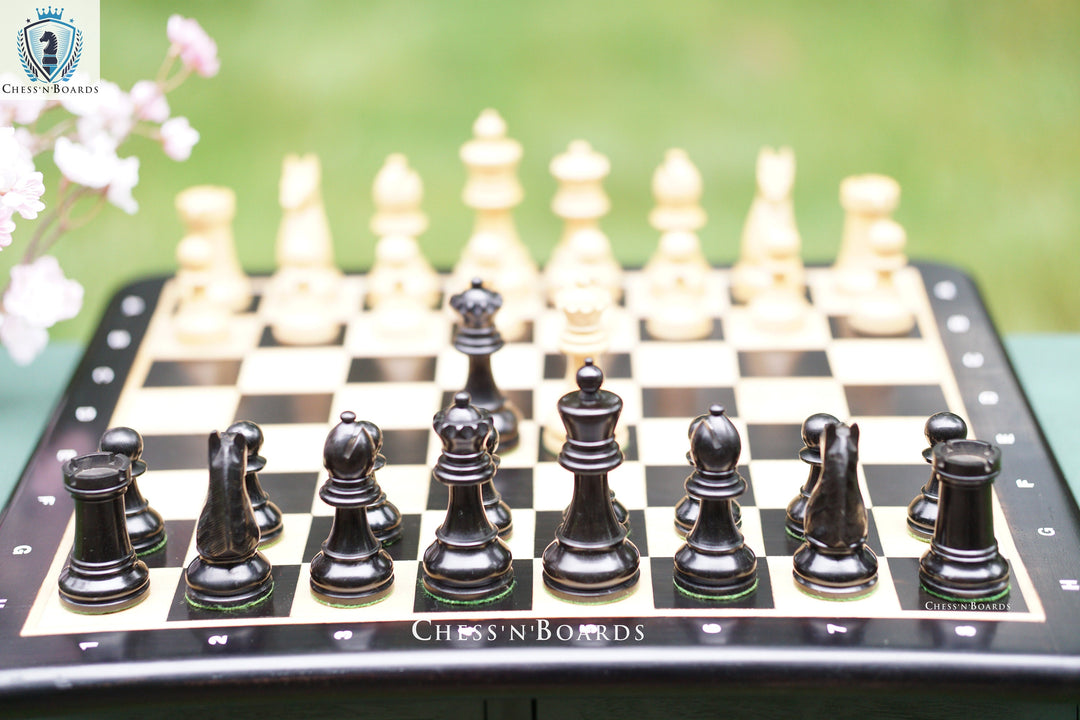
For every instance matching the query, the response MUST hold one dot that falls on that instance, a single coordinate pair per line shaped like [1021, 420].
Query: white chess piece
[772, 208]
[588, 261]
[882, 311]
[677, 286]
[306, 288]
[200, 317]
[866, 199]
[782, 307]
[208, 211]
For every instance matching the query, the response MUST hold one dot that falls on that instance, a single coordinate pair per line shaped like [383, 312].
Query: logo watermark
[52, 49]
[540, 630]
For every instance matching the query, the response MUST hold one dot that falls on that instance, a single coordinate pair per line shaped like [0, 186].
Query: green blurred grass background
[973, 106]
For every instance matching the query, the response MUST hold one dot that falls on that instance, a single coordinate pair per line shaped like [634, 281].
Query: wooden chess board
[136, 373]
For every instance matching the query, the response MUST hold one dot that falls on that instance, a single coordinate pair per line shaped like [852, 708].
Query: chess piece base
[835, 576]
[228, 586]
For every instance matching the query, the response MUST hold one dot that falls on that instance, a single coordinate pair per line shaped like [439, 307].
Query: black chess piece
[382, 515]
[477, 337]
[834, 562]
[103, 574]
[923, 510]
[963, 562]
[812, 428]
[229, 572]
[715, 561]
[468, 562]
[590, 558]
[352, 568]
[145, 527]
[498, 512]
[267, 514]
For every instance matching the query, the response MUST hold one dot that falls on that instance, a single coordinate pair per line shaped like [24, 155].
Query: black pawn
[497, 511]
[267, 514]
[230, 572]
[352, 568]
[468, 562]
[834, 562]
[103, 573]
[923, 510]
[145, 527]
[477, 337]
[590, 558]
[382, 515]
[715, 561]
[963, 562]
[812, 429]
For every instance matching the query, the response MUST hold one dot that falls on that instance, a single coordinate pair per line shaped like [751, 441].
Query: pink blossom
[125, 177]
[112, 116]
[22, 340]
[41, 295]
[178, 137]
[149, 102]
[23, 196]
[7, 226]
[15, 160]
[21, 109]
[92, 164]
[197, 50]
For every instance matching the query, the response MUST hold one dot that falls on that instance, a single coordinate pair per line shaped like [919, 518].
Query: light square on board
[788, 400]
[791, 601]
[890, 440]
[677, 364]
[177, 410]
[300, 370]
[372, 334]
[295, 448]
[777, 482]
[741, 331]
[895, 361]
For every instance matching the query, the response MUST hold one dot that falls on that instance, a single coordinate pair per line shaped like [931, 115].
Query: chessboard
[137, 373]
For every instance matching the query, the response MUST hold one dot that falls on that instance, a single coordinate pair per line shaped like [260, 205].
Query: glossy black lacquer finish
[103, 574]
[835, 561]
[229, 572]
[812, 429]
[963, 561]
[468, 562]
[715, 561]
[146, 529]
[267, 514]
[351, 568]
[477, 337]
[923, 510]
[591, 558]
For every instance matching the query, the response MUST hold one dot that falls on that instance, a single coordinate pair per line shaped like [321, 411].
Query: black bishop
[352, 568]
[715, 561]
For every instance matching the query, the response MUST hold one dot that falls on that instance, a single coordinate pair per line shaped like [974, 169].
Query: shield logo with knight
[49, 48]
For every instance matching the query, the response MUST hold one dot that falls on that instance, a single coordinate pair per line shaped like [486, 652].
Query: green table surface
[1047, 365]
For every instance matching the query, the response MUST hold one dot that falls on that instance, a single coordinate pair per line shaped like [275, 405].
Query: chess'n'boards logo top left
[50, 47]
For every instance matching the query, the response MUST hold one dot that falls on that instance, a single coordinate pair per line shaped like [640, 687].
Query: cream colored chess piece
[782, 307]
[772, 208]
[208, 211]
[493, 191]
[306, 288]
[199, 318]
[583, 336]
[580, 202]
[677, 288]
[397, 222]
[866, 199]
[882, 311]
[593, 264]
[677, 190]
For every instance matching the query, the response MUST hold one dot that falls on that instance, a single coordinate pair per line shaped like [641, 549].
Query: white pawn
[583, 336]
[401, 269]
[882, 311]
[866, 199]
[398, 220]
[208, 211]
[677, 287]
[677, 190]
[493, 191]
[772, 208]
[401, 313]
[782, 307]
[588, 261]
[199, 318]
